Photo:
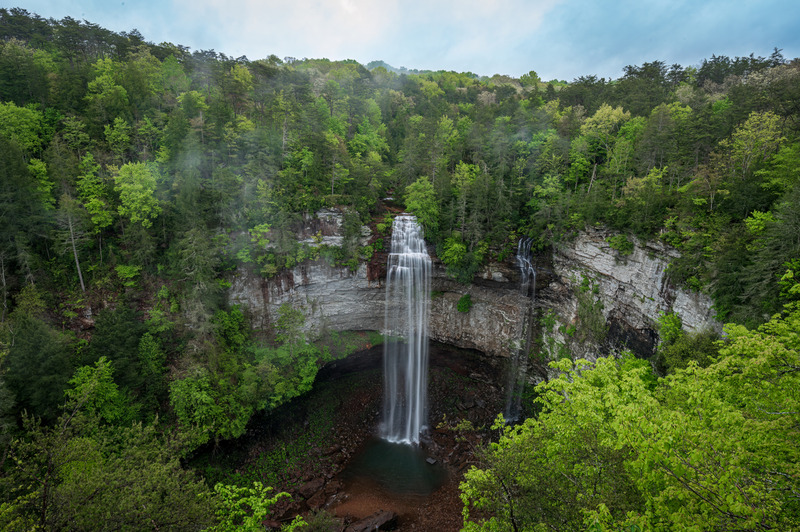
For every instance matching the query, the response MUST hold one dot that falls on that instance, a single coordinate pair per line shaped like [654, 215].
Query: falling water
[519, 360]
[405, 352]
[526, 269]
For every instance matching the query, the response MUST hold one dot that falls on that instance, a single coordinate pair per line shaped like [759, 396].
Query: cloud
[437, 34]
[584, 37]
[560, 39]
[303, 28]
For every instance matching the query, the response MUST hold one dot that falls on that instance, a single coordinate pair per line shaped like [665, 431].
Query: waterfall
[518, 368]
[405, 351]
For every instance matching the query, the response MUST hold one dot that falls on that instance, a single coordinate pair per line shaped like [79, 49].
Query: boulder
[310, 488]
[317, 501]
[380, 520]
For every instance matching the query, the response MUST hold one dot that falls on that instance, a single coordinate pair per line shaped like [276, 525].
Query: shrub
[464, 303]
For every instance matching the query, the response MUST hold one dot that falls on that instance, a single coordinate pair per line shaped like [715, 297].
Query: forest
[136, 178]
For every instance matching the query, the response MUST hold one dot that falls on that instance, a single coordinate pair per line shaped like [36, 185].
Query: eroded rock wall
[632, 291]
[329, 296]
[336, 298]
[494, 322]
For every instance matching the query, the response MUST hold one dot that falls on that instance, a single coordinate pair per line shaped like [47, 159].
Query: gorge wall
[629, 291]
[336, 298]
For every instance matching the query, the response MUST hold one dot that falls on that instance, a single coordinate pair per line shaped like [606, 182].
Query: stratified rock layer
[632, 289]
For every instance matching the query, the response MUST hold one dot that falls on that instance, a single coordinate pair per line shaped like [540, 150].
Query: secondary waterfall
[518, 368]
[405, 351]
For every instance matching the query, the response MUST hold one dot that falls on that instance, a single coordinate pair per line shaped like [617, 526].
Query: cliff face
[330, 297]
[336, 298]
[629, 291]
[494, 323]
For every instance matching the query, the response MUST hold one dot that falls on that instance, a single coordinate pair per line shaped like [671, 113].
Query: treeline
[135, 178]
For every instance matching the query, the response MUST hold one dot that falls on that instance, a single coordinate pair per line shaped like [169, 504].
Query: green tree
[201, 409]
[757, 139]
[116, 337]
[118, 137]
[463, 178]
[441, 147]
[78, 473]
[462, 261]
[136, 184]
[420, 199]
[107, 99]
[37, 365]
[289, 328]
[24, 72]
[243, 508]
[603, 126]
[543, 473]
[74, 134]
[93, 193]
[97, 393]
[644, 202]
[239, 84]
[22, 220]
[710, 448]
[23, 125]
[44, 184]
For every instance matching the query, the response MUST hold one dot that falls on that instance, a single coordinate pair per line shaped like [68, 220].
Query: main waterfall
[405, 352]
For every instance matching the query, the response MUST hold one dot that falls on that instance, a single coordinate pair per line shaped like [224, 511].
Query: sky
[558, 39]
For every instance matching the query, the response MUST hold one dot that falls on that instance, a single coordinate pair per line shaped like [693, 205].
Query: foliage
[421, 201]
[23, 125]
[621, 243]
[80, 472]
[545, 472]
[710, 448]
[217, 400]
[140, 165]
[464, 303]
[243, 508]
[37, 365]
[461, 261]
[95, 389]
[136, 184]
[669, 327]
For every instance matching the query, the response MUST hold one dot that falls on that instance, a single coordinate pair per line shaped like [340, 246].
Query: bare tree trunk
[75, 251]
[594, 173]
[5, 289]
[285, 134]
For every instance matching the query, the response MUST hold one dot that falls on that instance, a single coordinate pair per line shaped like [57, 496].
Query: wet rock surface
[463, 398]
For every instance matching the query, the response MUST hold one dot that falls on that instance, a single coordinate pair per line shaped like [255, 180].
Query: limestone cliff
[338, 299]
[630, 291]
